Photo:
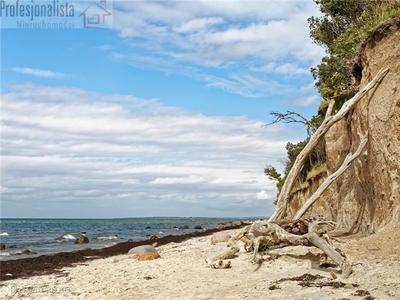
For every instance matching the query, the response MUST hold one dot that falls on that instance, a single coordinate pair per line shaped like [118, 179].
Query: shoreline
[52, 263]
[293, 272]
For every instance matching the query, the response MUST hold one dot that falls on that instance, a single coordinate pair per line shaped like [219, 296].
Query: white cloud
[38, 72]
[178, 180]
[220, 39]
[306, 101]
[285, 69]
[69, 148]
[197, 25]
[263, 195]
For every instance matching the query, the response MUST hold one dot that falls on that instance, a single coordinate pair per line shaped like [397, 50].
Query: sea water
[47, 236]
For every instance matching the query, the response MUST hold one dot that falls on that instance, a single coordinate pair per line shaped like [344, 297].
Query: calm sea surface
[46, 236]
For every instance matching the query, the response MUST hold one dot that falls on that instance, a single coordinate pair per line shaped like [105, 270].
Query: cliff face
[367, 196]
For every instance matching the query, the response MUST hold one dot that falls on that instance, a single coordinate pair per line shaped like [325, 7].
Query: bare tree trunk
[284, 195]
[346, 164]
[329, 250]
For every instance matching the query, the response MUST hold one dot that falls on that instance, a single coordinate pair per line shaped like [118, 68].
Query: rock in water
[28, 252]
[142, 250]
[82, 240]
[220, 237]
[2, 246]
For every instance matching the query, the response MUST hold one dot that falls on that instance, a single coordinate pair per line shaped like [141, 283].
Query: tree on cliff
[341, 30]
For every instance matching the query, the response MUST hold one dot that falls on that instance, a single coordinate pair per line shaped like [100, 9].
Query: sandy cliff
[367, 196]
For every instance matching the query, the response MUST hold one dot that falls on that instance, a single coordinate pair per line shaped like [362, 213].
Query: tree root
[264, 233]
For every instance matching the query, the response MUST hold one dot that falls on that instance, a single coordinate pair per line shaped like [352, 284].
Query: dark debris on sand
[309, 280]
[52, 264]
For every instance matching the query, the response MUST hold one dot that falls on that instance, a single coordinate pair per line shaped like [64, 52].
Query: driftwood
[346, 164]
[265, 233]
[306, 232]
[329, 120]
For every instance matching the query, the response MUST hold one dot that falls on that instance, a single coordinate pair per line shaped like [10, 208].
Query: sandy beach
[181, 273]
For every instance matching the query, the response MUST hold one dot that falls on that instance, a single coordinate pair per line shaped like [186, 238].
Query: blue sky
[160, 115]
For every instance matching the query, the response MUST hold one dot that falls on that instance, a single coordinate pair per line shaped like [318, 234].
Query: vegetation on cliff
[341, 29]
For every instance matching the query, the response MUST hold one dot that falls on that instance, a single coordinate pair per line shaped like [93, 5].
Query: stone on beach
[148, 256]
[139, 250]
[220, 237]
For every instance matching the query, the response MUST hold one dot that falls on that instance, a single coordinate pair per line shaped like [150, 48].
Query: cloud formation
[226, 44]
[117, 155]
[38, 72]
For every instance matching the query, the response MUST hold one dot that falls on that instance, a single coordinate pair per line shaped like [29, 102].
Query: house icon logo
[96, 15]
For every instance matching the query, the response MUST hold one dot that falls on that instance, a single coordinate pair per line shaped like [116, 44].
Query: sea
[49, 236]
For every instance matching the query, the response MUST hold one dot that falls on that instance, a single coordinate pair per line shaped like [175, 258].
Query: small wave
[3, 234]
[4, 254]
[115, 237]
[66, 237]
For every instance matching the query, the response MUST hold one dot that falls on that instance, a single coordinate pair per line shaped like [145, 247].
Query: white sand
[181, 273]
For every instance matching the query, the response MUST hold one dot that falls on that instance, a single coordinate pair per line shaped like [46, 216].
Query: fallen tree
[284, 195]
[346, 164]
[265, 233]
[306, 232]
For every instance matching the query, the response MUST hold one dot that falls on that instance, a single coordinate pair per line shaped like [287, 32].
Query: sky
[160, 113]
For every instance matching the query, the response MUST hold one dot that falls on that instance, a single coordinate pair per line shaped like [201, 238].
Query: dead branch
[262, 233]
[329, 120]
[290, 117]
[346, 164]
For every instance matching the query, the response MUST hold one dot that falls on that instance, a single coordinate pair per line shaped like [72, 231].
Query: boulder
[142, 250]
[2, 246]
[28, 252]
[220, 237]
[197, 227]
[148, 256]
[82, 240]
[153, 237]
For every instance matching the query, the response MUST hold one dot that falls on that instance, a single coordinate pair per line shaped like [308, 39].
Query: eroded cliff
[367, 196]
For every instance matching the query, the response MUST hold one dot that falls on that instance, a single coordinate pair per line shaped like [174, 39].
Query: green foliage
[338, 16]
[315, 171]
[341, 30]
[317, 156]
[272, 173]
[332, 76]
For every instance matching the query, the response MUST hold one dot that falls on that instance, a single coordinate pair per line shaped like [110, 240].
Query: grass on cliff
[316, 171]
[334, 78]
[349, 43]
